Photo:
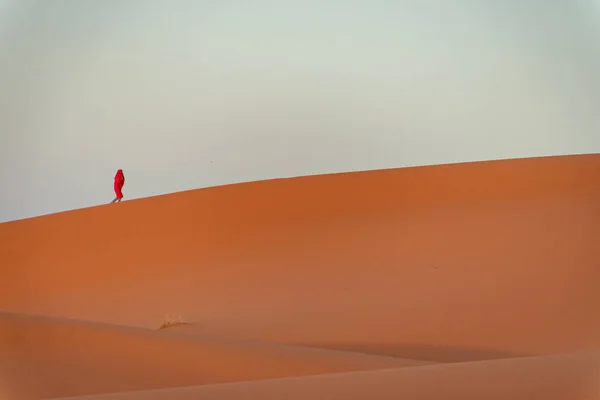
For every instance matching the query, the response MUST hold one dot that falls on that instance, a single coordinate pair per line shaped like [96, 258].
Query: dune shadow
[421, 352]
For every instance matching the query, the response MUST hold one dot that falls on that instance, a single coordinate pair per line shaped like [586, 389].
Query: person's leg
[119, 194]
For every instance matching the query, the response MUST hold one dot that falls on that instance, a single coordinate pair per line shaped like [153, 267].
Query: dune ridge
[77, 358]
[296, 335]
[553, 377]
[482, 268]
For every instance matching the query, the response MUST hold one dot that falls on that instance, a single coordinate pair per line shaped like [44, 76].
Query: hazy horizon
[185, 94]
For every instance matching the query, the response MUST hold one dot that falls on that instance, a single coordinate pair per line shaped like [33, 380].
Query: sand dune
[571, 376]
[77, 358]
[304, 332]
[449, 263]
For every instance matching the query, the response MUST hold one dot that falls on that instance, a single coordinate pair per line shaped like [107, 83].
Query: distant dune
[318, 275]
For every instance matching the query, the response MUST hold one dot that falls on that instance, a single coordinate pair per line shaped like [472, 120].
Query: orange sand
[79, 358]
[573, 376]
[449, 264]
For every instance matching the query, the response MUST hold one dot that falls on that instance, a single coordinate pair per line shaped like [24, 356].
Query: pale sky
[183, 94]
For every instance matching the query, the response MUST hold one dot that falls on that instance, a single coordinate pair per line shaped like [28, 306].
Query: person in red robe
[119, 182]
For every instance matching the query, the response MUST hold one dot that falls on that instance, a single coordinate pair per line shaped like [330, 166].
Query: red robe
[119, 182]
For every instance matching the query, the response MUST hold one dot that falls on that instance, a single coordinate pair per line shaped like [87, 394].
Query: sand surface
[81, 358]
[572, 376]
[428, 282]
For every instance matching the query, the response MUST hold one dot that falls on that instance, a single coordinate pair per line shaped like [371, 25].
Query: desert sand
[573, 376]
[98, 358]
[471, 280]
